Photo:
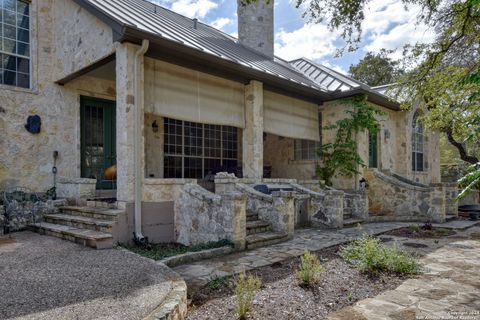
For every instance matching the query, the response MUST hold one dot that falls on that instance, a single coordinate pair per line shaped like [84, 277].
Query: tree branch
[460, 147]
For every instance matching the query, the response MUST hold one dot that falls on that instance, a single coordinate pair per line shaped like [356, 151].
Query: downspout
[138, 140]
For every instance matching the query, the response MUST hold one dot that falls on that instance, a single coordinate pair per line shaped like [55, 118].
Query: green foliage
[470, 181]
[216, 283]
[369, 255]
[310, 270]
[246, 287]
[376, 69]
[165, 250]
[341, 156]
[415, 228]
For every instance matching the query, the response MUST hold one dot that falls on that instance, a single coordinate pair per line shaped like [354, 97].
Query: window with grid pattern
[15, 43]
[308, 149]
[418, 144]
[195, 150]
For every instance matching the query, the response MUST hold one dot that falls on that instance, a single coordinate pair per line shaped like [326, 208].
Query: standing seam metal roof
[154, 19]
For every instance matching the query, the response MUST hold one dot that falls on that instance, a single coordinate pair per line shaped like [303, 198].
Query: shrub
[310, 270]
[427, 226]
[369, 255]
[415, 228]
[216, 283]
[245, 289]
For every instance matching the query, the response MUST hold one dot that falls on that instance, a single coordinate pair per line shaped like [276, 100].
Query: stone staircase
[92, 225]
[259, 233]
[348, 219]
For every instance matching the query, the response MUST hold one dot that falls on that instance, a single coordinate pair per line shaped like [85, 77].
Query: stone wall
[394, 199]
[28, 159]
[201, 217]
[356, 203]
[76, 188]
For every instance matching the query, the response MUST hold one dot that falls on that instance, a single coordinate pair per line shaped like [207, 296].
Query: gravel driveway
[42, 277]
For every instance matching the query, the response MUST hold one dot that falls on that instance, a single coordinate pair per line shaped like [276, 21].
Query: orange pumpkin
[111, 173]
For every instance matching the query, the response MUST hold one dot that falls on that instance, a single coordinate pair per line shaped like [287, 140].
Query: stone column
[125, 59]
[253, 132]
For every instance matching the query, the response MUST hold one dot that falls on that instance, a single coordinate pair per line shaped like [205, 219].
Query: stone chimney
[255, 25]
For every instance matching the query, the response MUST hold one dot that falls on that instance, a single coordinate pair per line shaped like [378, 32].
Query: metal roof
[325, 77]
[147, 17]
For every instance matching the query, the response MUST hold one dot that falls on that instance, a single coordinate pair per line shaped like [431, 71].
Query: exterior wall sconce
[155, 126]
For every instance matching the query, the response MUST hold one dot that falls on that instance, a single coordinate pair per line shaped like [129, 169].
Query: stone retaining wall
[76, 188]
[202, 216]
[393, 199]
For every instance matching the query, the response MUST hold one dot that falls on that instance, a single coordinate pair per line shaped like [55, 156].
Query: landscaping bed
[165, 250]
[281, 296]
[422, 231]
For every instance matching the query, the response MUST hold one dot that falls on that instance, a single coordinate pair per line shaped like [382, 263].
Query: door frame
[109, 121]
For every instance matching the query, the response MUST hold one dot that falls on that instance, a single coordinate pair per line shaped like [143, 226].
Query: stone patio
[448, 289]
[198, 274]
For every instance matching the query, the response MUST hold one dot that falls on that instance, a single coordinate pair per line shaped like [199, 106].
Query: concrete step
[91, 212]
[90, 238]
[252, 216]
[264, 239]
[108, 203]
[450, 217]
[257, 226]
[352, 222]
[80, 222]
[347, 216]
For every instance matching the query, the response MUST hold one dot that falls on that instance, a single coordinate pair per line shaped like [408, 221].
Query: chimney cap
[195, 23]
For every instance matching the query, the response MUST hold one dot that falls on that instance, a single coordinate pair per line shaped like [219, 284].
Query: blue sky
[387, 25]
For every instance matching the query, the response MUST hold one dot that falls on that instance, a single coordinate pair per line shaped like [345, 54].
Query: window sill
[18, 89]
[303, 161]
[420, 173]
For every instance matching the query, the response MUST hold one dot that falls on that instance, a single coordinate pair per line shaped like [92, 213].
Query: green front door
[98, 139]
[372, 150]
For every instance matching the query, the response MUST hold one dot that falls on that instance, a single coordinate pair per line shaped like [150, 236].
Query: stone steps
[80, 222]
[264, 239]
[257, 226]
[86, 237]
[450, 217]
[352, 222]
[91, 212]
[251, 216]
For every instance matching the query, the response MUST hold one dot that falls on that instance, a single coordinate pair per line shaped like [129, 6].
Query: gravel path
[42, 277]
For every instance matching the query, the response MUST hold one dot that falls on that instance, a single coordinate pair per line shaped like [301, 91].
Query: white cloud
[389, 25]
[190, 8]
[221, 22]
[313, 41]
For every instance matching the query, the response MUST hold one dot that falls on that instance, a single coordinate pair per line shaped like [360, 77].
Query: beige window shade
[290, 117]
[184, 94]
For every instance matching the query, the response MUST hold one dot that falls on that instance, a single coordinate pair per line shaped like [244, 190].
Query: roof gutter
[139, 107]
[372, 96]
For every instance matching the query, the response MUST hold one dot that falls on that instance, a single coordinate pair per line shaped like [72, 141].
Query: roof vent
[195, 22]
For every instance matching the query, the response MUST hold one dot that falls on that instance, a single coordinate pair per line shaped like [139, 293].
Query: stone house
[171, 102]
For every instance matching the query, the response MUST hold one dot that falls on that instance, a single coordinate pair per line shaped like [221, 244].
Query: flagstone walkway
[198, 274]
[448, 289]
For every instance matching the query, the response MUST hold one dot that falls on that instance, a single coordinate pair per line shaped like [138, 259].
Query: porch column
[253, 132]
[125, 85]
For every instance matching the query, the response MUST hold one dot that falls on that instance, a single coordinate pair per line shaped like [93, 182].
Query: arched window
[418, 144]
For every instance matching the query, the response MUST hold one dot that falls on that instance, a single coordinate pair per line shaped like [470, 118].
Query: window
[308, 149]
[15, 43]
[194, 150]
[418, 144]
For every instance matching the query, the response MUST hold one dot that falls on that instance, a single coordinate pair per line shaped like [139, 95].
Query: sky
[387, 25]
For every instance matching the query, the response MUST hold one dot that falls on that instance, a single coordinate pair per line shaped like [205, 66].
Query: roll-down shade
[290, 117]
[184, 94]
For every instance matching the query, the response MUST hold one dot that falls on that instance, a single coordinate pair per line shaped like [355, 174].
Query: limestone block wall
[201, 217]
[356, 203]
[27, 159]
[76, 188]
[91, 40]
[393, 199]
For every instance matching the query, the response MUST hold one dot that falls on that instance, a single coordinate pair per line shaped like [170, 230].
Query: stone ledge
[169, 181]
[252, 192]
[190, 257]
[174, 306]
[68, 180]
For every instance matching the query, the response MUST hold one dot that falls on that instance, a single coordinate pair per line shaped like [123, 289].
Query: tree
[437, 70]
[341, 156]
[376, 69]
